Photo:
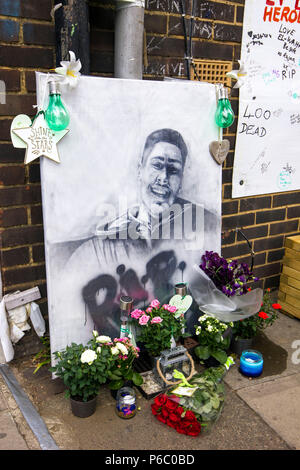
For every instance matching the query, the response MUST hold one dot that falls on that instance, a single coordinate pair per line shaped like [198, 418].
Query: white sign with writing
[267, 145]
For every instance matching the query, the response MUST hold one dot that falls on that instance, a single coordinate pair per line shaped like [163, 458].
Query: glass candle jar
[251, 363]
[126, 403]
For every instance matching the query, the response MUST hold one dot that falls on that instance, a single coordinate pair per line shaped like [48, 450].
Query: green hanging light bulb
[224, 116]
[56, 115]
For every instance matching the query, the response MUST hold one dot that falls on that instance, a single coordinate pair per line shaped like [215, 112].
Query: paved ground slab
[262, 413]
[238, 427]
[276, 346]
[277, 402]
[10, 439]
[15, 433]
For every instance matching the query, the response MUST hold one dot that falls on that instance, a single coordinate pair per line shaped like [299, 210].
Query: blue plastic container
[251, 363]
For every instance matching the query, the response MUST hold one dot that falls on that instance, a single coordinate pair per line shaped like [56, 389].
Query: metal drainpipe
[129, 39]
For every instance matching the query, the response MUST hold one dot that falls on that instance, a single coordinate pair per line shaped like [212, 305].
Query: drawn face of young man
[160, 176]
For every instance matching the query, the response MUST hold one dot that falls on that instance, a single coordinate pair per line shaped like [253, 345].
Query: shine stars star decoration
[40, 140]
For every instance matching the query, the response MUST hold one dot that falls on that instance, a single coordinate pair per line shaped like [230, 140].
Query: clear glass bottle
[126, 304]
[126, 403]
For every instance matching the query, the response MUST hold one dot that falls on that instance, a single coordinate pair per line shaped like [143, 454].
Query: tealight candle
[251, 363]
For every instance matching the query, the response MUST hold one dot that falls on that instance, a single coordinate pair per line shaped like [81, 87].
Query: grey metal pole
[129, 39]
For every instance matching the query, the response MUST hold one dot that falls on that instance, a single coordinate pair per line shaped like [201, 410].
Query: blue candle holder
[251, 363]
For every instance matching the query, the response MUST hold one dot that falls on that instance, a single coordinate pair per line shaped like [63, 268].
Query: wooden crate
[289, 288]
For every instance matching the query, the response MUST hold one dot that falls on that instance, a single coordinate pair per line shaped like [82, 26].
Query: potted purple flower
[230, 277]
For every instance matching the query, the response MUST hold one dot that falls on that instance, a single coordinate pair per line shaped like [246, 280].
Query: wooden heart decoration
[219, 150]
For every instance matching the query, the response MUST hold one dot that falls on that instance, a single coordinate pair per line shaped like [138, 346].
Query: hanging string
[188, 41]
[37, 114]
[238, 230]
[187, 57]
[250, 246]
[220, 134]
[191, 41]
[40, 107]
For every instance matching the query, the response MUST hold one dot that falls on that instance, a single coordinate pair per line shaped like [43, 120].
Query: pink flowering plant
[157, 324]
[124, 354]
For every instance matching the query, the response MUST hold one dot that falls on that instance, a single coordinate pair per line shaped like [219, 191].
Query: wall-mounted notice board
[267, 153]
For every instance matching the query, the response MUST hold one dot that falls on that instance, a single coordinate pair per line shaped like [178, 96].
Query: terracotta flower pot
[83, 409]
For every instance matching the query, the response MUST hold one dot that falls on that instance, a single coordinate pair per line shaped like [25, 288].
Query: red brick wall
[27, 44]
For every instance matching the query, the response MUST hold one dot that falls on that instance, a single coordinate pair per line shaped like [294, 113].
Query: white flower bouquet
[83, 369]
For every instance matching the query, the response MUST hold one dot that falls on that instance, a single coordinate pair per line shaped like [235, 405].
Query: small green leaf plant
[43, 357]
[124, 354]
[210, 337]
[83, 369]
[248, 328]
[208, 400]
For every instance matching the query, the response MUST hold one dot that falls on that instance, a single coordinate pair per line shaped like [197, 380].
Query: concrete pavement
[15, 434]
[274, 396]
[262, 413]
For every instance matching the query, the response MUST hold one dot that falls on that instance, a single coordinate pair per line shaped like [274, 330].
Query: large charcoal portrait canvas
[134, 203]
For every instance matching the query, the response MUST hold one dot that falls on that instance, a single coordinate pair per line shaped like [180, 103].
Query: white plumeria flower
[69, 70]
[239, 75]
[122, 348]
[88, 356]
[103, 339]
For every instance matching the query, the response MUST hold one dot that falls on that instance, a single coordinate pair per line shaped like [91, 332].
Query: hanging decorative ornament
[56, 115]
[40, 140]
[69, 70]
[239, 75]
[20, 121]
[219, 150]
[224, 116]
[41, 135]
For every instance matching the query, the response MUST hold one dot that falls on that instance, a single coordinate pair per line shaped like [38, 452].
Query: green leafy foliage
[210, 337]
[208, 400]
[82, 379]
[43, 357]
[156, 335]
[248, 328]
[122, 367]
